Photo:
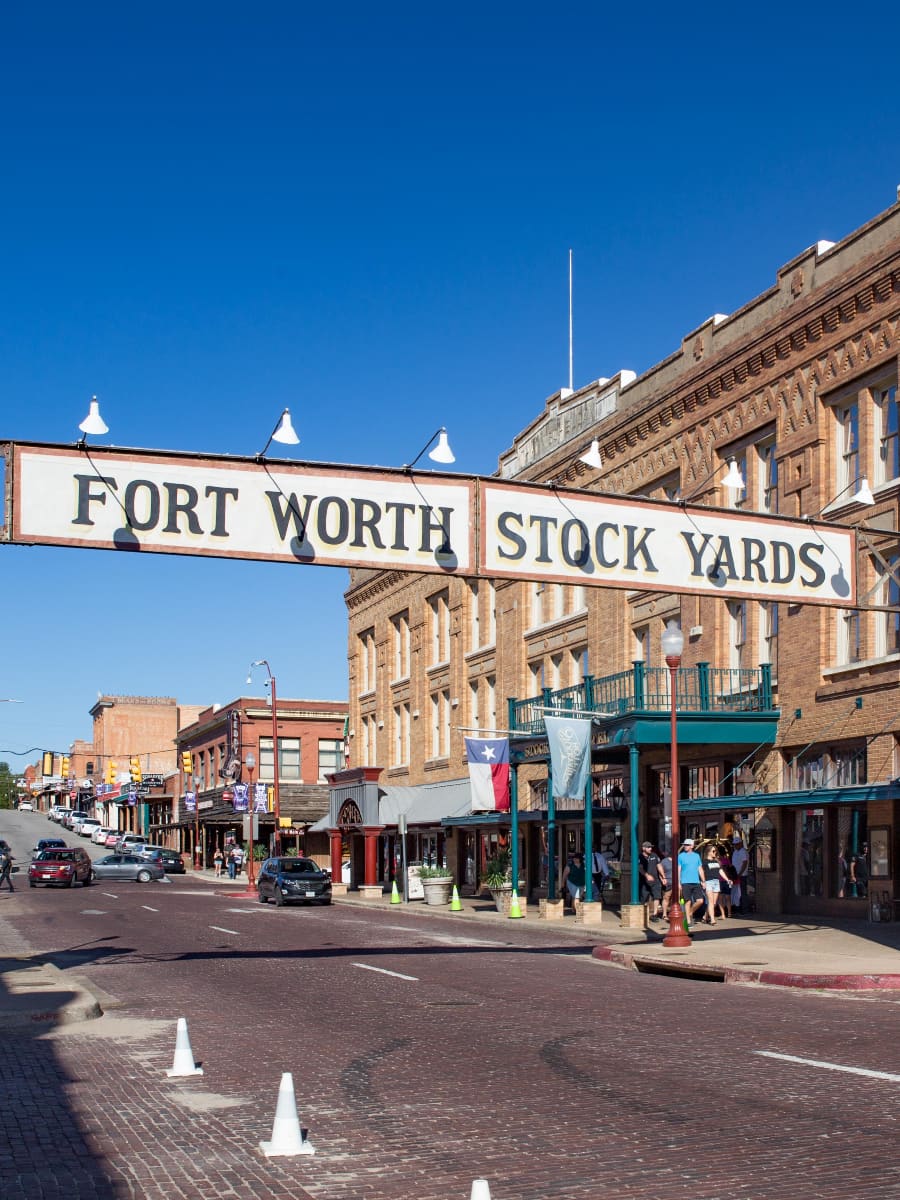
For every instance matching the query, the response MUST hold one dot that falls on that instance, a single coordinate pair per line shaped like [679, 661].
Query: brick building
[794, 741]
[229, 747]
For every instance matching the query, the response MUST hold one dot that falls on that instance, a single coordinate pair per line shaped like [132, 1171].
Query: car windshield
[55, 856]
[296, 866]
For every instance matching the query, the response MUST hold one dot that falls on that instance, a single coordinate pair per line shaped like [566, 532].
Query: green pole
[634, 816]
[551, 835]
[514, 822]
[588, 840]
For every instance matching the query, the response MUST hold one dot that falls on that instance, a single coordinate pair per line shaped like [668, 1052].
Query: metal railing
[717, 691]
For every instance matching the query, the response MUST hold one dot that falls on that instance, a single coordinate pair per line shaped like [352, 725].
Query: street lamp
[198, 853]
[250, 762]
[672, 645]
[276, 806]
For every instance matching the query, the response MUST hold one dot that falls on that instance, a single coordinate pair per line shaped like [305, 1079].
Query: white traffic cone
[287, 1136]
[480, 1190]
[183, 1062]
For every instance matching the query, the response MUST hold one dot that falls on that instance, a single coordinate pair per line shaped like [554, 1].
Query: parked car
[71, 818]
[101, 833]
[57, 812]
[127, 843]
[64, 866]
[293, 881]
[112, 836]
[87, 827]
[50, 843]
[26, 806]
[128, 867]
[171, 859]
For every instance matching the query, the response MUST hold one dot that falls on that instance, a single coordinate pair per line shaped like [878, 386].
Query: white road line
[149, 909]
[382, 971]
[221, 930]
[112, 895]
[827, 1066]
[448, 938]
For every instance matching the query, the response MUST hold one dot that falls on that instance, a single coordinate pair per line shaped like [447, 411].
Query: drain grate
[749, 964]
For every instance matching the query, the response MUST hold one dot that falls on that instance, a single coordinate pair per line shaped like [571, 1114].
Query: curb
[725, 974]
[45, 999]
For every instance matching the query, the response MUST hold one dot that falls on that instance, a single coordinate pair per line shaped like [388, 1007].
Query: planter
[437, 891]
[502, 895]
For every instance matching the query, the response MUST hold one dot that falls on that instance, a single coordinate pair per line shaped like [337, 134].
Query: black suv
[293, 881]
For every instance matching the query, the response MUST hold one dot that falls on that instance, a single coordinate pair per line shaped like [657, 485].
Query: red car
[63, 867]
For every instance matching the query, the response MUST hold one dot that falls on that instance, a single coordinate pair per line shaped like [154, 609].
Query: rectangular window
[737, 624]
[889, 439]
[579, 598]
[491, 614]
[474, 708]
[767, 483]
[331, 757]
[768, 632]
[640, 650]
[440, 627]
[808, 771]
[536, 671]
[537, 603]
[848, 766]
[579, 664]
[370, 745]
[367, 661]
[474, 617]
[440, 724]
[847, 416]
[556, 679]
[288, 759]
[490, 703]
[849, 633]
[400, 625]
[401, 735]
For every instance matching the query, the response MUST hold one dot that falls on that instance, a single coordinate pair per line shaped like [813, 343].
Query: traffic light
[187, 763]
[134, 767]
[64, 770]
[110, 772]
[47, 762]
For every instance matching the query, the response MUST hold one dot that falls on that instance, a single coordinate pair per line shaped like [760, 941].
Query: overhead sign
[136, 500]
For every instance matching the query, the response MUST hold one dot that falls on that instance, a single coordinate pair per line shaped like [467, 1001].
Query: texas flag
[488, 760]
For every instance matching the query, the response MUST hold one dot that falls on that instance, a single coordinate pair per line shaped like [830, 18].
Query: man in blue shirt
[691, 877]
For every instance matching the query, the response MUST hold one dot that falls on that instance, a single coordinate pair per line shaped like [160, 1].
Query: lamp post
[673, 644]
[276, 806]
[250, 762]
[198, 853]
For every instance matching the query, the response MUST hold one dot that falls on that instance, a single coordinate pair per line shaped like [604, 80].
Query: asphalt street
[424, 1054]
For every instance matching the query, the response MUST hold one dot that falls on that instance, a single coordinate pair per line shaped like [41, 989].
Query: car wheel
[72, 880]
[263, 899]
[279, 898]
[90, 879]
[144, 876]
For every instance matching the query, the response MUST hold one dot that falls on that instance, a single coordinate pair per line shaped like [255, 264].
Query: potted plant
[437, 883]
[498, 876]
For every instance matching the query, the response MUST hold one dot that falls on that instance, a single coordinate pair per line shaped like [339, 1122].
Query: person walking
[711, 885]
[599, 873]
[859, 871]
[6, 862]
[218, 861]
[231, 862]
[652, 881]
[574, 878]
[691, 879]
[238, 859]
[740, 860]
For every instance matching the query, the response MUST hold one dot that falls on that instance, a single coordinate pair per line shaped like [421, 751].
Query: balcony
[643, 692]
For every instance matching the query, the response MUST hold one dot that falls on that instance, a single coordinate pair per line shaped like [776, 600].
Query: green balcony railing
[645, 690]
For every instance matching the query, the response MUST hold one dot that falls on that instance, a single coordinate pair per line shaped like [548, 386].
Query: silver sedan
[127, 867]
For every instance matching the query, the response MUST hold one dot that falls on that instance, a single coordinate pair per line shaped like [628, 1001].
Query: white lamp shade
[93, 422]
[442, 452]
[672, 640]
[864, 494]
[285, 433]
[734, 479]
[592, 457]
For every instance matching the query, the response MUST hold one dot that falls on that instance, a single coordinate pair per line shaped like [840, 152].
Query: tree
[8, 789]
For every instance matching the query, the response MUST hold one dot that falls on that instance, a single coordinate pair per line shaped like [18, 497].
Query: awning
[427, 804]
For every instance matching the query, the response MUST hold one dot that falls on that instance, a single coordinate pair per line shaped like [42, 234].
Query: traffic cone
[514, 910]
[395, 895]
[480, 1190]
[183, 1062]
[287, 1136]
[455, 902]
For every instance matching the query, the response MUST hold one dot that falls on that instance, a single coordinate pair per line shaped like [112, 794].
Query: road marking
[149, 909]
[112, 895]
[221, 930]
[382, 971]
[93, 912]
[449, 938]
[827, 1066]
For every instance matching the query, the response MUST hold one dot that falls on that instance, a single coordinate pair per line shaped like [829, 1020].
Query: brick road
[508, 1054]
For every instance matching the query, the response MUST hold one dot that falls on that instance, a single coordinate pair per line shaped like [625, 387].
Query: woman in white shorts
[711, 887]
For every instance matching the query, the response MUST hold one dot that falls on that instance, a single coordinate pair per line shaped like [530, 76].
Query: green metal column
[551, 835]
[514, 822]
[633, 818]
[588, 839]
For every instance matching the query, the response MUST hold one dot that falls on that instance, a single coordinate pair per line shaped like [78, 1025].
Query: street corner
[39, 996]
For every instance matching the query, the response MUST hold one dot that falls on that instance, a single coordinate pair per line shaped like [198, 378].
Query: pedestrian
[711, 870]
[6, 862]
[859, 871]
[574, 878]
[652, 880]
[690, 878]
[726, 875]
[599, 873]
[665, 867]
[231, 862]
[740, 860]
[843, 872]
[238, 859]
[218, 860]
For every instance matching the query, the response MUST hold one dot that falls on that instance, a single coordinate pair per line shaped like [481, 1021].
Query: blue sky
[213, 211]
